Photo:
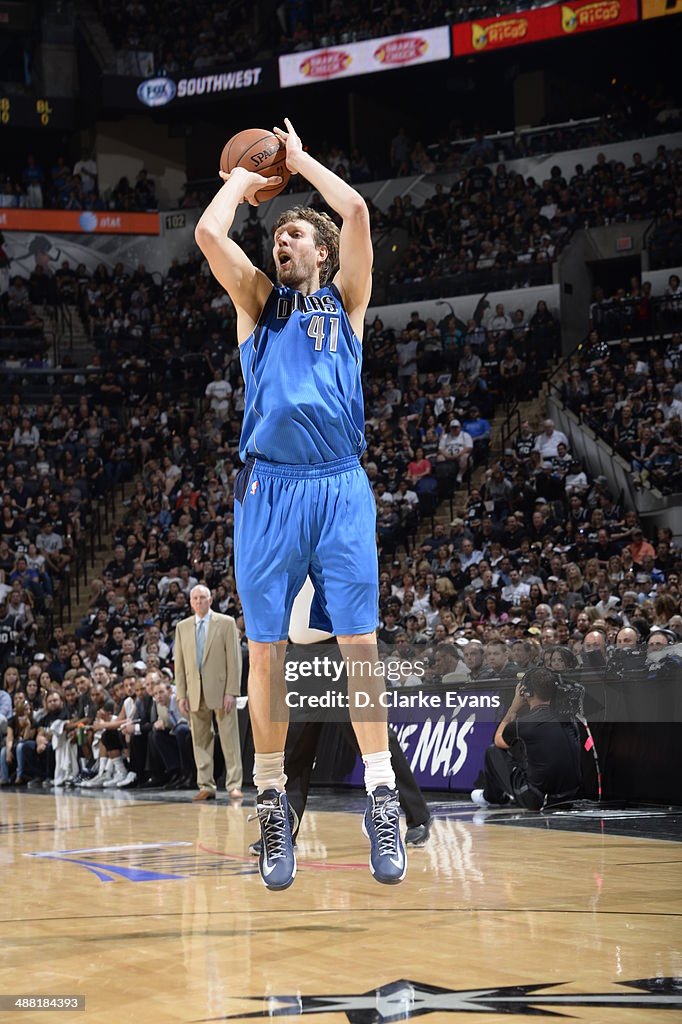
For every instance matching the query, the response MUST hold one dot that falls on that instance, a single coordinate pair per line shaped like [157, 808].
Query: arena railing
[622, 318]
[99, 512]
[98, 519]
[510, 427]
[64, 329]
[525, 275]
[555, 389]
[622, 314]
[54, 334]
[22, 340]
[663, 243]
[37, 383]
[559, 137]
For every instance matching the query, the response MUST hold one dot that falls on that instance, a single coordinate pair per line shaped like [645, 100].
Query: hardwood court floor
[154, 911]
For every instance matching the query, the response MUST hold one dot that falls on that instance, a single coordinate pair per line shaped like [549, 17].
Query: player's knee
[263, 655]
[357, 638]
[266, 648]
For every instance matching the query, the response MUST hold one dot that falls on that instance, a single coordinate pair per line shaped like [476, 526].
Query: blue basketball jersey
[303, 394]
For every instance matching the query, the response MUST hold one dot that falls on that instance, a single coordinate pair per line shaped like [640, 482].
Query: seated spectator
[454, 451]
[170, 741]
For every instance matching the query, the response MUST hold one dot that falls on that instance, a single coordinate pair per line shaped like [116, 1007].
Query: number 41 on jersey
[316, 331]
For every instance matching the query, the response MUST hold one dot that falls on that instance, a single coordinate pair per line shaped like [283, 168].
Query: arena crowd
[542, 557]
[218, 34]
[62, 187]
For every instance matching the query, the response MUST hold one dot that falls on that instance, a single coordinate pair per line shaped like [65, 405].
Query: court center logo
[156, 92]
[151, 862]
[403, 999]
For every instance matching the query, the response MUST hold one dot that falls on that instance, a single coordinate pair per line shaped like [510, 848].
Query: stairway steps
[532, 410]
[102, 557]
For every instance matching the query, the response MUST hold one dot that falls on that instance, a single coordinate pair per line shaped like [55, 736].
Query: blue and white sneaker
[381, 825]
[256, 847]
[277, 860]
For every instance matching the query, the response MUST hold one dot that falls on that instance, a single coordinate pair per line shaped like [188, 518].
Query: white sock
[103, 766]
[378, 770]
[119, 767]
[268, 771]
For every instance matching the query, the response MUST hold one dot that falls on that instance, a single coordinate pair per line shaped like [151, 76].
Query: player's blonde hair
[325, 233]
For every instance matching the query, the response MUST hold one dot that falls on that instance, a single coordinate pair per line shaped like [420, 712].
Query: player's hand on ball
[292, 144]
[250, 183]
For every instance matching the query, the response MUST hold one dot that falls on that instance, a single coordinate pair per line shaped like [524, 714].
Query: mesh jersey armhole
[333, 288]
[263, 314]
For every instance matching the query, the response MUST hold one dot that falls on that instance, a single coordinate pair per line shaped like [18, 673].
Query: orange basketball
[258, 150]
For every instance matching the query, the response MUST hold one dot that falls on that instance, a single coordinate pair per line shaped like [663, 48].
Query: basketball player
[303, 503]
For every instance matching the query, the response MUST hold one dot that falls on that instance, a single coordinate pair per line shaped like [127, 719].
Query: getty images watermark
[322, 682]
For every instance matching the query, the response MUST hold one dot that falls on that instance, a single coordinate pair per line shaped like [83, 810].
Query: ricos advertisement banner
[383, 54]
[568, 19]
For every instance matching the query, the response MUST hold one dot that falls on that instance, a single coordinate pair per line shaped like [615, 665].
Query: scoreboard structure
[36, 112]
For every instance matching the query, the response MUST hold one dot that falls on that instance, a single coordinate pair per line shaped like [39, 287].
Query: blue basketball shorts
[298, 521]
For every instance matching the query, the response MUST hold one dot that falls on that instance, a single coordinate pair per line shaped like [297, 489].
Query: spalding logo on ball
[259, 150]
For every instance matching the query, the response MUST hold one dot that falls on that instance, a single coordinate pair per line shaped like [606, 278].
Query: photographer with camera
[594, 651]
[663, 656]
[627, 659]
[535, 757]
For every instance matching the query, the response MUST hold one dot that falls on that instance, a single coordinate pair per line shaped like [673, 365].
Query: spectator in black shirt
[389, 629]
[490, 362]
[119, 567]
[114, 647]
[524, 442]
[478, 178]
[497, 658]
[93, 470]
[604, 548]
[60, 662]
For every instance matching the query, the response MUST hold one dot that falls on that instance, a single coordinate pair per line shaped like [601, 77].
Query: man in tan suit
[208, 670]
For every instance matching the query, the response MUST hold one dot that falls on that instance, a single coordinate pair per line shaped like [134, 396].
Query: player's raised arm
[247, 286]
[354, 279]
